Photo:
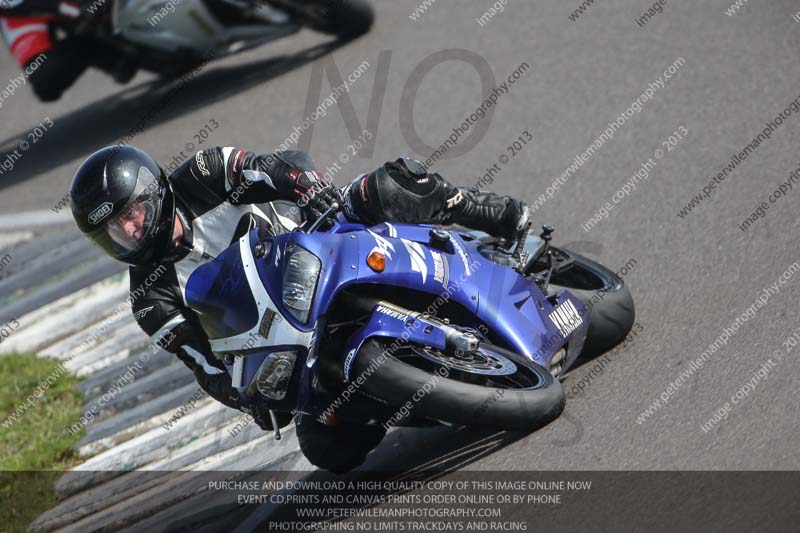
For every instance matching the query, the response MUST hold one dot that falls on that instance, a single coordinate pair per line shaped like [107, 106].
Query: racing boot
[404, 191]
[500, 216]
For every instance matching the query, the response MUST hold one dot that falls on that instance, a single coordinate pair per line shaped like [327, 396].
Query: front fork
[396, 322]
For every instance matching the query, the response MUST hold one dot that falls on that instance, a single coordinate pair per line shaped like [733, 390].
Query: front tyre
[491, 387]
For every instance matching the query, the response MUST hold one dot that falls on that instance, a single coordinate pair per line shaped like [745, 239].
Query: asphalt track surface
[692, 276]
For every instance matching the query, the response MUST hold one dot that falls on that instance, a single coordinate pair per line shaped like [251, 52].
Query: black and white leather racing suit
[222, 193]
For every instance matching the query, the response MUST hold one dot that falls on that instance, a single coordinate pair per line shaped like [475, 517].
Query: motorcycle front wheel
[490, 387]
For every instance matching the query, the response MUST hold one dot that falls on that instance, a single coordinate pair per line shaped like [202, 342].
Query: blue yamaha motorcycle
[401, 324]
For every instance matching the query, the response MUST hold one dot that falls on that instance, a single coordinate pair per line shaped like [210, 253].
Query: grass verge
[34, 448]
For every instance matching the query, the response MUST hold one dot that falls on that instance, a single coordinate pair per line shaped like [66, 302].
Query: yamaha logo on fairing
[97, 216]
[464, 259]
[349, 361]
[392, 313]
[566, 318]
[441, 269]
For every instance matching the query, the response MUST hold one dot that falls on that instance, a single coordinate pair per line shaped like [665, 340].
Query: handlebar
[332, 210]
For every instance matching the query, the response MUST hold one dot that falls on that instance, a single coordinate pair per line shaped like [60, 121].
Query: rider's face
[132, 221]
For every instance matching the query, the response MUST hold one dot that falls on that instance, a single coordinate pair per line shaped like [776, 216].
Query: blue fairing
[507, 308]
[511, 307]
[218, 292]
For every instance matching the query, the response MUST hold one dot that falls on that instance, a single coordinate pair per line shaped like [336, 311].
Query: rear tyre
[611, 309]
[339, 448]
[495, 388]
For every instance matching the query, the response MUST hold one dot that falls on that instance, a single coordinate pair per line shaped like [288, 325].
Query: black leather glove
[318, 197]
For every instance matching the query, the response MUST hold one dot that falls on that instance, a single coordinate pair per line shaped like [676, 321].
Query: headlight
[274, 374]
[300, 281]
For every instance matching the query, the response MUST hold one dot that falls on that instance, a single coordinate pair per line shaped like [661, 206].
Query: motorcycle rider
[125, 203]
[51, 64]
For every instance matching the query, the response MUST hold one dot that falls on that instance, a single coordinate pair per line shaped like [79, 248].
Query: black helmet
[121, 200]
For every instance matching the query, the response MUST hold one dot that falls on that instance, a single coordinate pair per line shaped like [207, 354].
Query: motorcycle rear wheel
[492, 387]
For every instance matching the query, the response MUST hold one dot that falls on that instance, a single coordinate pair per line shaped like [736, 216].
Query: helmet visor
[132, 228]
